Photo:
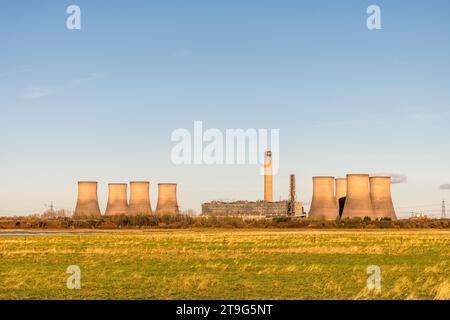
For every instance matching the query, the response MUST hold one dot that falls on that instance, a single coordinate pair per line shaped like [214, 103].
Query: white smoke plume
[396, 178]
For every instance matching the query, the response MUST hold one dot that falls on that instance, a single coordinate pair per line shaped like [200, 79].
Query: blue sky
[100, 103]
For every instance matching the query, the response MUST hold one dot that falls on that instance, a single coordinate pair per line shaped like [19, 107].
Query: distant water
[42, 233]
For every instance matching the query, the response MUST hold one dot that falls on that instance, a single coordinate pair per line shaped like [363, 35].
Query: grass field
[227, 264]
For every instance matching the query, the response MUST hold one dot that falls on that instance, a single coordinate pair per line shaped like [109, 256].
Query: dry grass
[228, 264]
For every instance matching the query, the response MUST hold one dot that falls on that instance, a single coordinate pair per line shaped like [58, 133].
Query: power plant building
[262, 208]
[246, 208]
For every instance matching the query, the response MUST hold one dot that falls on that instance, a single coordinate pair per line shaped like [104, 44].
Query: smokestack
[117, 199]
[292, 197]
[268, 195]
[341, 194]
[139, 199]
[358, 202]
[87, 202]
[380, 194]
[167, 199]
[323, 204]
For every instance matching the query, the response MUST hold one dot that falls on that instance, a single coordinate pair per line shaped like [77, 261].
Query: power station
[356, 196]
[260, 208]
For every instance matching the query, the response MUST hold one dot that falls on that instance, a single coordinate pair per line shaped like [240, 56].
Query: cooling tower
[341, 193]
[268, 196]
[167, 199]
[357, 203]
[323, 205]
[87, 202]
[380, 194]
[117, 199]
[139, 199]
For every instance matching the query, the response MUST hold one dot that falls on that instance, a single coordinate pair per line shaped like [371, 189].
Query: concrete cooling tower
[139, 199]
[117, 199]
[380, 195]
[341, 194]
[167, 199]
[268, 189]
[323, 205]
[358, 202]
[87, 202]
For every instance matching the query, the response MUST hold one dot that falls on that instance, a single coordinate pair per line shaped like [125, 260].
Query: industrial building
[262, 208]
[246, 208]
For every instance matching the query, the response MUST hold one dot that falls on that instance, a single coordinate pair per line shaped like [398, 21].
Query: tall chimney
[292, 205]
[117, 199]
[341, 194]
[268, 195]
[167, 199]
[87, 202]
[139, 199]
[358, 202]
[380, 194]
[323, 204]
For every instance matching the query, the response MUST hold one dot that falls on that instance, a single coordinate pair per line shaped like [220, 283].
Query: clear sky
[100, 103]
